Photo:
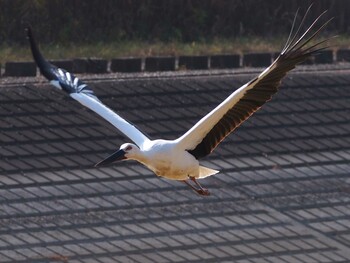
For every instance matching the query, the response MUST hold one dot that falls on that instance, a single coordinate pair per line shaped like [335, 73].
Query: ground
[282, 194]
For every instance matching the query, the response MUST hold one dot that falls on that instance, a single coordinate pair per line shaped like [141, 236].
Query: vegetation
[115, 28]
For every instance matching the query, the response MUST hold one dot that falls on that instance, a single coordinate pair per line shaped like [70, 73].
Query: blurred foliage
[78, 21]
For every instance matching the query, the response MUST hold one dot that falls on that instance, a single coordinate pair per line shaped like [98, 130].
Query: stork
[178, 159]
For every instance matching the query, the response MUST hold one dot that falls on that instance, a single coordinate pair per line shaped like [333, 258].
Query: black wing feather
[264, 88]
[59, 77]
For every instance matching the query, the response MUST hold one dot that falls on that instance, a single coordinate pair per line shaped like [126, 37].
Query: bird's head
[130, 151]
[125, 152]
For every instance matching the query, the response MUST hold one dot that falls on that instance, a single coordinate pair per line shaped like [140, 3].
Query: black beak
[117, 156]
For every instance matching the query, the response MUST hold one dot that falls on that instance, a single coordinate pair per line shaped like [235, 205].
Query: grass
[157, 48]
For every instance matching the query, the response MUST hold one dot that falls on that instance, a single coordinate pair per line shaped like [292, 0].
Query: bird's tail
[205, 172]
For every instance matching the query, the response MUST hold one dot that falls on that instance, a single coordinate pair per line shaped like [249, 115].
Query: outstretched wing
[79, 91]
[206, 134]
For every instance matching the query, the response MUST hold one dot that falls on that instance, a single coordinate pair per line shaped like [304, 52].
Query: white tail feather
[205, 172]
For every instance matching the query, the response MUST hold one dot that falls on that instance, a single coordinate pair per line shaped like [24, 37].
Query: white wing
[207, 133]
[121, 124]
[79, 91]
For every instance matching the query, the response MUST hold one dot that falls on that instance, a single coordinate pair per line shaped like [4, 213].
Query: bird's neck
[140, 156]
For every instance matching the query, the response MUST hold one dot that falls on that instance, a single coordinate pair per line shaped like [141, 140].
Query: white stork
[178, 159]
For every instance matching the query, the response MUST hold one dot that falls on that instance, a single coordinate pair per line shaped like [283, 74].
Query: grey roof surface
[283, 193]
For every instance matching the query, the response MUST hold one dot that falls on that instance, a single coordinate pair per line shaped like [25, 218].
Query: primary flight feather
[178, 159]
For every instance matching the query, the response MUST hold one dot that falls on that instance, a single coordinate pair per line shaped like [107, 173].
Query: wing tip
[44, 66]
[59, 78]
[295, 46]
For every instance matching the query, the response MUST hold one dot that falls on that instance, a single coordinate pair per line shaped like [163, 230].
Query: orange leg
[200, 190]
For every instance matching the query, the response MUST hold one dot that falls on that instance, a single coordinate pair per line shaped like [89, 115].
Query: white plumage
[178, 159]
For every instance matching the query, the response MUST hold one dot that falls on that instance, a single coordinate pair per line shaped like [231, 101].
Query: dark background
[77, 21]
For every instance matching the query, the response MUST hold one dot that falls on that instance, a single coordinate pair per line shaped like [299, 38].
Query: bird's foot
[203, 191]
[199, 189]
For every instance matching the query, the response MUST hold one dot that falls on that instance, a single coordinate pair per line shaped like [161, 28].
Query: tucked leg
[200, 190]
[203, 191]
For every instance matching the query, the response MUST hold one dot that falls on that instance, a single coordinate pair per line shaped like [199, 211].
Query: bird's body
[165, 159]
[178, 159]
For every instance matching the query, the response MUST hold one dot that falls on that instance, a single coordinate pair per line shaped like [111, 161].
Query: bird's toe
[204, 192]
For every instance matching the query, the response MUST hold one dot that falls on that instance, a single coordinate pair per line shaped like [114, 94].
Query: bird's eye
[128, 148]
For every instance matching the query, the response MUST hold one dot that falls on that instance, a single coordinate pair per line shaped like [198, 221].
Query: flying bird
[178, 159]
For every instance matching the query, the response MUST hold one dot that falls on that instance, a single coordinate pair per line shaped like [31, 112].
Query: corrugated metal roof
[282, 194]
